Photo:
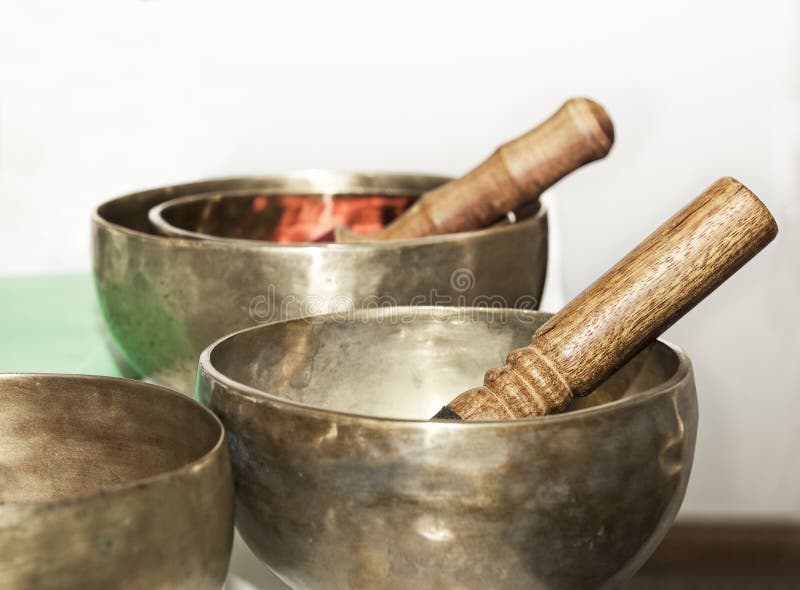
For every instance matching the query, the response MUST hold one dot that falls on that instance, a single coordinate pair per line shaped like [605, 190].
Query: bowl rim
[99, 221]
[187, 469]
[206, 368]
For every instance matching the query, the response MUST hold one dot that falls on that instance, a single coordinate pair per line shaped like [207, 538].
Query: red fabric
[306, 220]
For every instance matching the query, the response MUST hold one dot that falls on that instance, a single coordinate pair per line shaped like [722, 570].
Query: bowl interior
[405, 363]
[283, 217]
[68, 435]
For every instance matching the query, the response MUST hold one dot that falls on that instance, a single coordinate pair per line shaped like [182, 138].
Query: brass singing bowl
[165, 299]
[342, 483]
[110, 483]
[253, 215]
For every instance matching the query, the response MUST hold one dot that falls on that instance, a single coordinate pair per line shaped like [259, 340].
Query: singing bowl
[342, 483]
[165, 299]
[110, 483]
[253, 215]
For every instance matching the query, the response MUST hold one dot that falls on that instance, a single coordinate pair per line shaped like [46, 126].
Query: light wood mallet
[626, 308]
[514, 175]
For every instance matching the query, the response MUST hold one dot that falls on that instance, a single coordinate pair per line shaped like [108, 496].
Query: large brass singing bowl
[341, 483]
[109, 483]
[166, 299]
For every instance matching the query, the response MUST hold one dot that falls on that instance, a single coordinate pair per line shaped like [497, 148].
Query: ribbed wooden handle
[626, 308]
[517, 173]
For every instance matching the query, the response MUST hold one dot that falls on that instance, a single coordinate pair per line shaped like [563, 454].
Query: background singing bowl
[342, 484]
[253, 215]
[110, 483]
[165, 299]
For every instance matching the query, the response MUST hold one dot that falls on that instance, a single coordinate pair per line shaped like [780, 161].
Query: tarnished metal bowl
[165, 299]
[110, 483]
[341, 482]
[253, 215]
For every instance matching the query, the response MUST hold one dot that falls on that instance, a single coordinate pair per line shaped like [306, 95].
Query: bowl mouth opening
[388, 184]
[208, 371]
[131, 385]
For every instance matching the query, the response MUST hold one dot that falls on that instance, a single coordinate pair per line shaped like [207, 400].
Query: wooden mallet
[514, 175]
[626, 308]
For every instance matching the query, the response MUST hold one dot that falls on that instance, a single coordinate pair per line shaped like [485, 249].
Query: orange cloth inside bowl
[306, 220]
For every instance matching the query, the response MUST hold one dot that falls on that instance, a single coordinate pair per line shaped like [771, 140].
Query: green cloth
[52, 324]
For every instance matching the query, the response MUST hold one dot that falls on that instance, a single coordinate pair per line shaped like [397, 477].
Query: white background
[100, 98]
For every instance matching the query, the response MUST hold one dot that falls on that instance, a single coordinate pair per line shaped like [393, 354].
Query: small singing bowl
[343, 483]
[282, 218]
[165, 299]
[110, 483]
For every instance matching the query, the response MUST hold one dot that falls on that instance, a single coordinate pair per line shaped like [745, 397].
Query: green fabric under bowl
[52, 324]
